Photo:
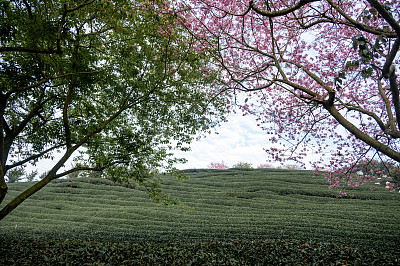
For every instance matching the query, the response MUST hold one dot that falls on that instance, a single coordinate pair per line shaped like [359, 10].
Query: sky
[238, 140]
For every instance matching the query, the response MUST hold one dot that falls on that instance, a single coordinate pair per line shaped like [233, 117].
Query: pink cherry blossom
[322, 76]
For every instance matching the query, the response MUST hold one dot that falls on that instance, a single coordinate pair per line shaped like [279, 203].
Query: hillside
[218, 205]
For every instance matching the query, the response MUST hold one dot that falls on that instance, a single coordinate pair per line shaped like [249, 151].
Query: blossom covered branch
[321, 73]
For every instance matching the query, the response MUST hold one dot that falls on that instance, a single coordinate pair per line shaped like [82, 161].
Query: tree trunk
[23, 196]
[35, 188]
[3, 189]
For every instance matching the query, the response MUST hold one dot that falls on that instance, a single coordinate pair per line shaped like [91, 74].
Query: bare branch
[316, 22]
[368, 113]
[313, 95]
[361, 135]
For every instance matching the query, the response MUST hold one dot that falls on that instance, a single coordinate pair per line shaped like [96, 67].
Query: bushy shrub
[221, 165]
[15, 174]
[242, 165]
[43, 175]
[292, 167]
[31, 176]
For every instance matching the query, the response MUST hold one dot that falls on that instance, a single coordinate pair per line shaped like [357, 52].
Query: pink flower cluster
[312, 71]
[221, 165]
[365, 171]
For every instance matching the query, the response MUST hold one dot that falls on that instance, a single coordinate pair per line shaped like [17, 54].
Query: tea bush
[278, 252]
[232, 217]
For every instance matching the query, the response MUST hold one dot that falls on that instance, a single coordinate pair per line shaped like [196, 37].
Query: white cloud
[238, 140]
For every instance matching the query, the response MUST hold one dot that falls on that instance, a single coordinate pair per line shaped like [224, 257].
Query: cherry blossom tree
[216, 165]
[265, 165]
[320, 75]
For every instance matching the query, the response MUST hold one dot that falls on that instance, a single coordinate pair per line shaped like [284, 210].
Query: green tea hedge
[293, 252]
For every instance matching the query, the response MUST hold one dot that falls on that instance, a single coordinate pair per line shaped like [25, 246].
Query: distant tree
[265, 165]
[43, 175]
[291, 167]
[76, 173]
[221, 165]
[15, 175]
[118, 81]
[31, 176]
[93, 174]
[242, 165]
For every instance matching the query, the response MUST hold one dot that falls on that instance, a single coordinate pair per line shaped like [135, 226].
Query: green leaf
[366, 73]
[355, 43]
[123, 86]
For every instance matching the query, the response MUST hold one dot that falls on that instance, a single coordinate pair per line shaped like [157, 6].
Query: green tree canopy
[116, 82]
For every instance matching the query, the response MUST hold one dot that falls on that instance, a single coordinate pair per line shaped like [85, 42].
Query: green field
[234, 205]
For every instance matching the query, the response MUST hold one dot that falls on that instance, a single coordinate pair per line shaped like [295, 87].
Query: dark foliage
[293, 252]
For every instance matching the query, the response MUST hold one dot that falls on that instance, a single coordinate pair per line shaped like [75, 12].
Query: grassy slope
[232, 204]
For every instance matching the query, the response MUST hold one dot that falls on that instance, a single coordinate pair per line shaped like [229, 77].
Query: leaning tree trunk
[24, 195]
[3, 189]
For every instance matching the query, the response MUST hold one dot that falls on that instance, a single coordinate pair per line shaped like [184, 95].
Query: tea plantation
[226, 217]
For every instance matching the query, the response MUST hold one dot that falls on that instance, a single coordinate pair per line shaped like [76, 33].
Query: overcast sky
[238, 140]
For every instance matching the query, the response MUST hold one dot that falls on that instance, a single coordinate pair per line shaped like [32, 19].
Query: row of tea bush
[278, 252]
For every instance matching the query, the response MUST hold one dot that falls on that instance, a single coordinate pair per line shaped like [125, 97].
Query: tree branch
[39, 104]
[389, 59]
[5, 126]
[385, 99]
[386, 15]
[28, 7]
[358, 25]
[282, 12]
[361, 135]
[67, 101]
[368, 113]
[86, 168]
[394, 87]
[21, 89]
[52, 174]
[29, 50]
[33, 157]
[314, 96]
